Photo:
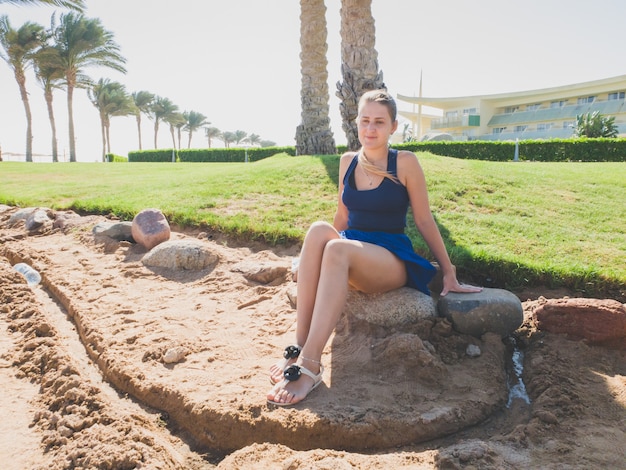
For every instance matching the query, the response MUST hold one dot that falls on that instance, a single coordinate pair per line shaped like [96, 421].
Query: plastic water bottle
[32, 276]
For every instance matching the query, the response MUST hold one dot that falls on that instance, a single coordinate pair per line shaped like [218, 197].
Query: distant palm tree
[161, 109]
[50, 75]
[211, 133]
[78, 5]
[594, 125]
[359, 63]
[111, 99]
[253, 139]
[267, 143]
[313, 135]
[193, 122]
[83, 42]
[176, 121]
[143, 100]
[239, 136]
[17, 49]
[227, 137]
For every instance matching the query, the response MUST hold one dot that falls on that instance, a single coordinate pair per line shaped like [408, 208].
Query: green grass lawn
[505, 224]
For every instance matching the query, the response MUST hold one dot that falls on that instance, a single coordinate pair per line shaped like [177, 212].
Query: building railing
[467, 120]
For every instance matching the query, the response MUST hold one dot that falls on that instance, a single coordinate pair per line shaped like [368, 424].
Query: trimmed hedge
[209, 155]
[554, 150]
[111, 157]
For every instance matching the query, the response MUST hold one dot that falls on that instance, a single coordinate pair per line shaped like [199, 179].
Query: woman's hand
[451, 284]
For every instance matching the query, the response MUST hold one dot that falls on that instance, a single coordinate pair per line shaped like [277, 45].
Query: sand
[85, 383]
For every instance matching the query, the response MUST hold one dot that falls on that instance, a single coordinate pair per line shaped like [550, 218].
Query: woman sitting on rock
[365, 247]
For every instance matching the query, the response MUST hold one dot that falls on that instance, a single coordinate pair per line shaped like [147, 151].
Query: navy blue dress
[378, 216]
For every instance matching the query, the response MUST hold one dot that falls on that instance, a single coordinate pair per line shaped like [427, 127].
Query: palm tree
[161, 109]
[143, 100]
[18, 48]
[595, 125]
[359, 63]
[313, 135]
[227, 137]
[239, 136]
[193, 122]
[49, 74]
[253, 139]
[210, 133]
[176, 121]
[83, 42]
[78, 5]
[111, 99]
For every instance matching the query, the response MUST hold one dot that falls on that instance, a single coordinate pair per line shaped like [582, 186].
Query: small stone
[175, 355]
[191, 255]
[473, 350]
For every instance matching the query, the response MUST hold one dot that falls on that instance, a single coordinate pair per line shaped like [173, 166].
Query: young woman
[365, 247]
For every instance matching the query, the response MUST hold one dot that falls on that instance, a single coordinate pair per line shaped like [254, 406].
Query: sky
[237, 61]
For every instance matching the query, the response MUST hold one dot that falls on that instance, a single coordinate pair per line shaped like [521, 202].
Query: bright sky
[237, 61]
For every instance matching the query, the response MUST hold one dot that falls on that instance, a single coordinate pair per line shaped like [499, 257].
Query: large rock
[150, 227]
[599, 321]
[36, 220]
[491, 310]
[192, 255]
[393, 309]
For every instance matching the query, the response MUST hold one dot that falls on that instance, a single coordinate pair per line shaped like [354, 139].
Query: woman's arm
[341, 215]
[411, 175]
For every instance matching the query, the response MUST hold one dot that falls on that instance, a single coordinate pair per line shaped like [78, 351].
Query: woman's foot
[298, 383]
[290, 355]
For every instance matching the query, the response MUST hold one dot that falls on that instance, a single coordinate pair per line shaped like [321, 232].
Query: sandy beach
[86, 384]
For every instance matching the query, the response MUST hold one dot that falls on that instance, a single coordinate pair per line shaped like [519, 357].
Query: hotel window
[452, 114]
[586, 99]
[520, 128]
[543, 126]
[616, 96]
[569, 124]
[497, 130]
[558, 104]
[469, 111]
[510, 109]
[533, 107]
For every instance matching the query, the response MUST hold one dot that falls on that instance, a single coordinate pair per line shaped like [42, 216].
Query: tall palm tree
[83, 42]
[211, 133]
[50, 75]
[359, 63]
[176, 121]
[313, 135]
[193, 122]
[143, 100]
[111, 99]
[17, 49]
[161, 110]
[78, 5]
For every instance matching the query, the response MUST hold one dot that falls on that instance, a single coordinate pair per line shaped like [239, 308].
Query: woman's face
[375, 125]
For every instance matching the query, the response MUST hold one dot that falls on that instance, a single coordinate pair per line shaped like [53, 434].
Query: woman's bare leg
[319, 234]
[367, 267]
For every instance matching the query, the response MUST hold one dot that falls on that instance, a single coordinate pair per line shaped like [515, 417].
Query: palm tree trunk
[55, 150]
[103, 135]
[156, 132]
[359, 63]
[139, 129]
[70, 120]
[313, 135]
[21, 81]
[107, 131]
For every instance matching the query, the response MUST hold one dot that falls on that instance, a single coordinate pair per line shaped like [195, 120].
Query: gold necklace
[367, 174]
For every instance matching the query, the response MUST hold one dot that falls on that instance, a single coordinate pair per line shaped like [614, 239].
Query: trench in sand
[64, 323]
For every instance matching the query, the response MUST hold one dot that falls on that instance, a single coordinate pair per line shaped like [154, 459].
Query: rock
[473, 350]
[190, 254]
[599, 321]
[120, 231]
[63, 220]
[174, 355]
[492, 310]
[262, 272]
[392, 309]
[21, 215]
[36, 220]
[150, 227]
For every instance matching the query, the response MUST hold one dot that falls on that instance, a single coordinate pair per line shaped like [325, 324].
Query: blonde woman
[364, 248]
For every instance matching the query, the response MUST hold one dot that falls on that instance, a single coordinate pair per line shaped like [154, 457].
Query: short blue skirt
[419, 270]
